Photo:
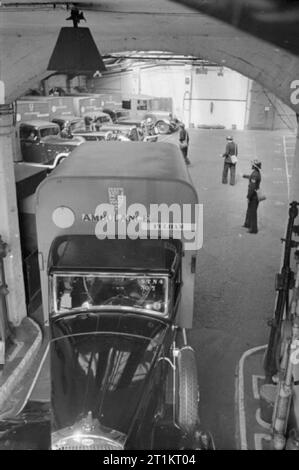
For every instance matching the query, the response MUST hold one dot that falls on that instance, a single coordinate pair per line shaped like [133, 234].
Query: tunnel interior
[235, 289]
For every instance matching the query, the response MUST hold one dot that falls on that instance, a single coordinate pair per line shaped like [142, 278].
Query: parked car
[40, 141]
[95, 119]
[163, 121]
[69, 123]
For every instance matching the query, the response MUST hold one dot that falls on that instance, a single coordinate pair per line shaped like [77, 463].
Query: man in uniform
[184, 142]
[253, 202]
[231, 150]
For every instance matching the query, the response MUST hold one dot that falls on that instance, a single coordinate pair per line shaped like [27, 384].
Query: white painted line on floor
[258, 438]
[240, 395]
[277, 169]
[255, 388]
[277, 151]
[260, 421]
[278, 182]
[19, 345]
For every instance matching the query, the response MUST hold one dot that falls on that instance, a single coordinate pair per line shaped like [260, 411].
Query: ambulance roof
[67, 117]
[124, 160]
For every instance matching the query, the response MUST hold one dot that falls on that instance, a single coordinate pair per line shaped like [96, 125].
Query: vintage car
[40, 142]
[122, 372]
[163, 121]
[69, 123]
[95, 119]
[126, 131]
[158, 109]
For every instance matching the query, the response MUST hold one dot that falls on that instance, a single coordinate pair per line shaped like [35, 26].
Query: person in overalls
[230, 154]
[253, 202]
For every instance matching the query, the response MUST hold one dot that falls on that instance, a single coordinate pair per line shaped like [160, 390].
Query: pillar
[9, 222]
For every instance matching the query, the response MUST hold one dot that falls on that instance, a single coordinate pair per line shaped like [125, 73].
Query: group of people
[230, 162]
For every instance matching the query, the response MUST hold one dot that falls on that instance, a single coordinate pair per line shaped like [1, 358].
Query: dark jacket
[254, 183]
[230, 149]
[184, 136]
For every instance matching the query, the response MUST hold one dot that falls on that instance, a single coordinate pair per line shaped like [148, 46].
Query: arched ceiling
[28, 34]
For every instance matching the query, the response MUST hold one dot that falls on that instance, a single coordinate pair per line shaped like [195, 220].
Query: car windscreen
[144, 293]
[28, 132]
[46, 131]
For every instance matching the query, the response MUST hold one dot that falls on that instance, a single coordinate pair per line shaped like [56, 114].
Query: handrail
[291, 359]
[284, 282]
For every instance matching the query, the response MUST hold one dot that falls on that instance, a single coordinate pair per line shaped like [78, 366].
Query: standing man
[184, 142]
[253, 202]
[230, 160]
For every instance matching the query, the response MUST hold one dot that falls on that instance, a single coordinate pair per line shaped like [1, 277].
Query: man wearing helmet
[230, 156]
[253, 202]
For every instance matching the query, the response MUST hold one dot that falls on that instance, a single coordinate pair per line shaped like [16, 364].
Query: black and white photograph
[149, 228]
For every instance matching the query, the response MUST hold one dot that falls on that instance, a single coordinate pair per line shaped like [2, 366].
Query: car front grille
[86, 444]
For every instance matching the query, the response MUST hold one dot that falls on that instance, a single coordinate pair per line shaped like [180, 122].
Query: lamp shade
[76, 52]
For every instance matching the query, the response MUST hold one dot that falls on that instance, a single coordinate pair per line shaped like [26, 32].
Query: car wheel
[188, 391]
[162, 127]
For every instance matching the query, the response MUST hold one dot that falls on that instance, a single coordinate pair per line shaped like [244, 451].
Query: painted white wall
[165, 81]
[121, 82]
[192, 93]
[219, 99]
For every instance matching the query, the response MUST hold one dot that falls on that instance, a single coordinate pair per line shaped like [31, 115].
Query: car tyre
[188, 391]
